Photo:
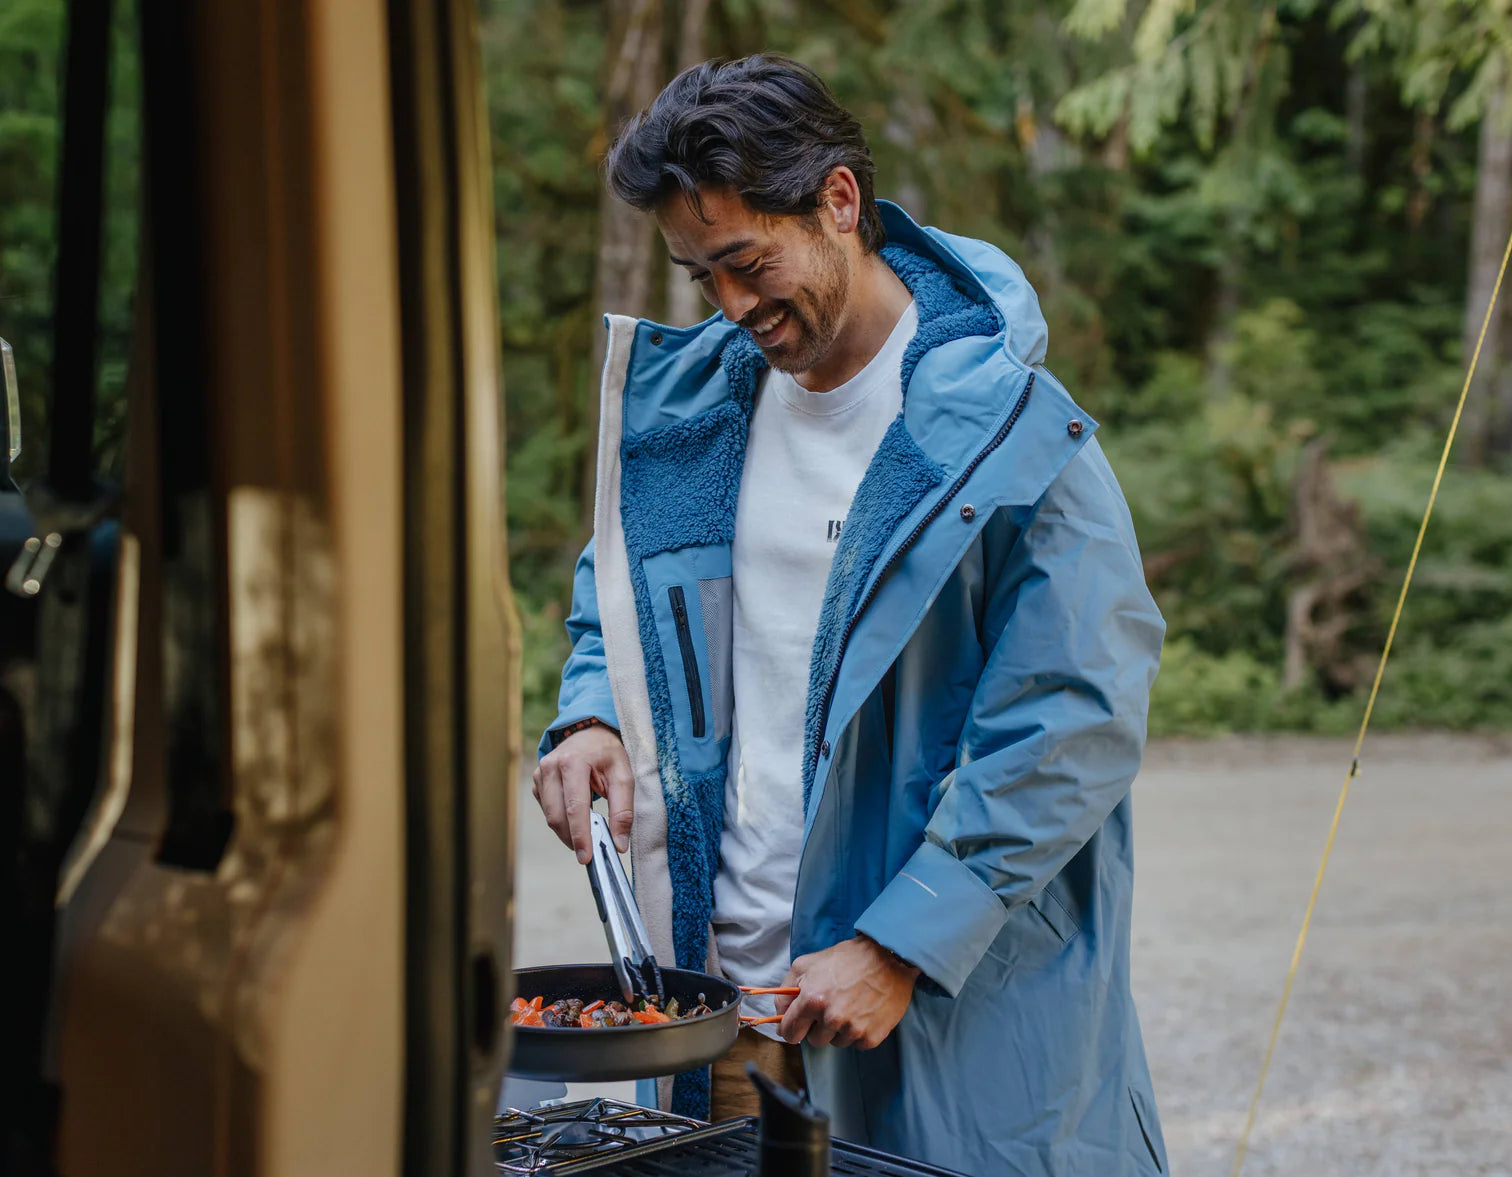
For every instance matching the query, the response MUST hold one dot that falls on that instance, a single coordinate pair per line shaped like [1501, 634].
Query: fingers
[548, 794]
[577, 798]
[588, 762]
[803, 1017]
[585, 763]
[822, 1034]
[621, 792]
[848, 1035]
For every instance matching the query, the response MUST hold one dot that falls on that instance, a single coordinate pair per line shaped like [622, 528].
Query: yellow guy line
[1354, 764]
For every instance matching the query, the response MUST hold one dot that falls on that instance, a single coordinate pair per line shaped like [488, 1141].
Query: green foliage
[1230, 266]
[1248, 224]
[1185, 55]
[1450, 53]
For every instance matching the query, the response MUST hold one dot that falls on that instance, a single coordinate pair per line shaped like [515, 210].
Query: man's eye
[751, 270]
[698, 277]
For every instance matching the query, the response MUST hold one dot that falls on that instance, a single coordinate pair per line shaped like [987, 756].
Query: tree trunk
[1420, 200]
[685, 302]
[1493, 204]
[1498, 392]
[623, 280]
[1356, 95]
[910, 125]
[1227, 299]
[1330, 570]
[1046, 151]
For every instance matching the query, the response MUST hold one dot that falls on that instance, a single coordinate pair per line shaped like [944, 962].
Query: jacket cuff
[599, 707]
[937, 915]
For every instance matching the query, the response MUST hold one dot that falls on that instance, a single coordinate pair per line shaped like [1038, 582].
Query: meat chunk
[565, 1012]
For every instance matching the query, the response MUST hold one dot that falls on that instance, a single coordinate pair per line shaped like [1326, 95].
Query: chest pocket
[692, 598]
[716, 602]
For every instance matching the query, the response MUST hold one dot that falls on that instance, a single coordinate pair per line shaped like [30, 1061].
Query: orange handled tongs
[771, 991]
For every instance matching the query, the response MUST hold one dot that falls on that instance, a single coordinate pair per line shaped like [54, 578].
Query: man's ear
[842, 195]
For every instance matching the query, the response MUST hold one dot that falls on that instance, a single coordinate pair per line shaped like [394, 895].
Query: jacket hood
[983, 269]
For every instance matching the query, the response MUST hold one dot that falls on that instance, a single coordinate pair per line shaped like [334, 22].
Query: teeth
[764, 328]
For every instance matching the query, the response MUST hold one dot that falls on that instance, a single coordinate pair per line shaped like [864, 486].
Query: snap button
[824, 748]
[656, 338]
[968, 512]
[1074, 427]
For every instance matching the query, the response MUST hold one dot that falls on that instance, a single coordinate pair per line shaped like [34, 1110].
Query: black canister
[794, 1138]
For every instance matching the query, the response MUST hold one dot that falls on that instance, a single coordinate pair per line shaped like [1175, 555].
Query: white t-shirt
[805, 456]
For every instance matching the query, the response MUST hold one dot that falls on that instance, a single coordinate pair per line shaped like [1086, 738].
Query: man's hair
[764, 126]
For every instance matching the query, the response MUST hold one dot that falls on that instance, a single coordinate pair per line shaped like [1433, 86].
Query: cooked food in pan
[574, 1013]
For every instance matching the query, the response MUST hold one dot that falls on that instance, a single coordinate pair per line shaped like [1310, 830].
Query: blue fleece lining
[899, 477]
[679, 485]
[687, 475]
[678, 489]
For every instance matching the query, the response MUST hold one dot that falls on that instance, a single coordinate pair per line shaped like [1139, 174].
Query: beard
[817, 312]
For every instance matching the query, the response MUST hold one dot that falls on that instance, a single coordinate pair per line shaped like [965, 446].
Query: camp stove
[608, 1138]
[558, 1139]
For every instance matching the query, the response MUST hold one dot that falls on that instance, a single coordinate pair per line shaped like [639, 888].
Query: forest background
[1264, 236]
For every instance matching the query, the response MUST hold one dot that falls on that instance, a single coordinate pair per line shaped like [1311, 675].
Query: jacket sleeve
[585, 689]
[1055, 731]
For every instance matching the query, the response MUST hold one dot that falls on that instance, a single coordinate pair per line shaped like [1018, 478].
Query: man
[862, 652]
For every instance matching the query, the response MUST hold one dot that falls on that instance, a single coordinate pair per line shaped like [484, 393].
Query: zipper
[897, 556]
[689, 658]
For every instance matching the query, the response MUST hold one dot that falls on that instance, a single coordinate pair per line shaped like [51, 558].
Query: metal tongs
[635, 964]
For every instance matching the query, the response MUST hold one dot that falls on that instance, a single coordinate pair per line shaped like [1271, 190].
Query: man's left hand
[853, 994]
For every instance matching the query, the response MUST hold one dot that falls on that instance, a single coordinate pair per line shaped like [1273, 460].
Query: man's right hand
[586, 763]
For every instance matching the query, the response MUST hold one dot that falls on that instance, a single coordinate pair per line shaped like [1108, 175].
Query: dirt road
[1396, 1057]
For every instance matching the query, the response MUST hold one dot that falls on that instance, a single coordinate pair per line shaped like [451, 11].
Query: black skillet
[622, 1052]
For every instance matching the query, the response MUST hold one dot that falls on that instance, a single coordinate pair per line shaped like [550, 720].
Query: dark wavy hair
[764, 126]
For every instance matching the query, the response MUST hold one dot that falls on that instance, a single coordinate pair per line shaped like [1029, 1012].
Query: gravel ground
[1396, 1056]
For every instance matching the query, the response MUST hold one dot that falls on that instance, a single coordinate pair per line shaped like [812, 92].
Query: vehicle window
[32, 52]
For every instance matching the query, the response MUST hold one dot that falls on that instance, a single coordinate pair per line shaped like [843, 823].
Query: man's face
[786, 280]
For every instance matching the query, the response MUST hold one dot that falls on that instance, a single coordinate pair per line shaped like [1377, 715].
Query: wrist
[581, 725]
[893, 960]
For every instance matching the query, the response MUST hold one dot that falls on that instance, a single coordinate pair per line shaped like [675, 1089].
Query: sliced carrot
[588, 1009]
[650, 1017]
[586, 1022]
[536, 1003]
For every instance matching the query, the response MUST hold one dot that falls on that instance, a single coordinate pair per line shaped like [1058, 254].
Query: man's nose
[736, 300]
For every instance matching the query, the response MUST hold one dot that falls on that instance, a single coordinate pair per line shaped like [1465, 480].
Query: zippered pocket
[1140, 1115]
[689, 658]
[716, 601]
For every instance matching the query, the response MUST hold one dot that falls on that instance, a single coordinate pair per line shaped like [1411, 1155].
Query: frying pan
[622, 1052]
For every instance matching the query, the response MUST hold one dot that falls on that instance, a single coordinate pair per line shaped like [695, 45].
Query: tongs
[635, 964]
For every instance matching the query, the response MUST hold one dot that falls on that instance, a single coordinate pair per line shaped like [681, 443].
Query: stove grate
[730, 1150]
[553, 1138]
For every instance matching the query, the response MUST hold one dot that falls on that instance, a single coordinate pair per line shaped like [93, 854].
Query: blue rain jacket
[976, 716]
